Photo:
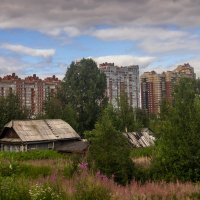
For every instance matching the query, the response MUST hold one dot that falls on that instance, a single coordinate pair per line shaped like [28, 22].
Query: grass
[63, 178]
[142, 152]
[31, 155]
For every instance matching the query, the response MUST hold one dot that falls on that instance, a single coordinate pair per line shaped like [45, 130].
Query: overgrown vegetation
[110, 151]
[142, 152]
[31, 155]
[84, 183]
[177, 150]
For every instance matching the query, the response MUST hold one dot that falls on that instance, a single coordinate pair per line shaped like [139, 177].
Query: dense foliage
[10, 109]
[177, 150]
[110, 151]
[81, 96]
[43, 179]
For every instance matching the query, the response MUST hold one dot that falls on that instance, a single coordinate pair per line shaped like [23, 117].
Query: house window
[50, 145]
[32, 146]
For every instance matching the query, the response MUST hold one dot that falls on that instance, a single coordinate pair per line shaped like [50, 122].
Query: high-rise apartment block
[122, 80]
[157, 87]
[31, 91]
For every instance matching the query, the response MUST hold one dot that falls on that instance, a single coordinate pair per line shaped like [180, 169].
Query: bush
[12, 189]
[8, 168]
[109, 152]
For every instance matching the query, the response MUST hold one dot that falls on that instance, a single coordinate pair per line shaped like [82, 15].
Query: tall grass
[64, 179]
[142, 152]
[31, 155]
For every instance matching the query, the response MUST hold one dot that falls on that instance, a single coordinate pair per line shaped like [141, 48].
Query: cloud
[125, 60]
[11, 65]
[137, 32]
[46, 53]
[75, 16]
[21, 68]
[153, 39]
[156, 26]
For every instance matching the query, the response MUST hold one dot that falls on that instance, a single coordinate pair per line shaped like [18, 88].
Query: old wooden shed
[24, 135]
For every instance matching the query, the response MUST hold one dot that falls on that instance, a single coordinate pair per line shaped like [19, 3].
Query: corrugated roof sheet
[144, 138]
[40, 130]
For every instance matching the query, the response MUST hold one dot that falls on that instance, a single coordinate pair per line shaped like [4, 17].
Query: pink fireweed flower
[83, 166]
[101, 176]
[53, 177]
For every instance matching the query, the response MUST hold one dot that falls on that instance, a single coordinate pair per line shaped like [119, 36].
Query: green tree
[177, 150]
[84, 89]
[10, 109]
[129, 118]
[55, 109]
[126, 114]
[110, 150]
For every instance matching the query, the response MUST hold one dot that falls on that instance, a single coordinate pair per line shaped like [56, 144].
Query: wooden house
[25, 135]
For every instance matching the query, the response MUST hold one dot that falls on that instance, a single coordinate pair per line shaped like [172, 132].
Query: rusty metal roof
[40, 130]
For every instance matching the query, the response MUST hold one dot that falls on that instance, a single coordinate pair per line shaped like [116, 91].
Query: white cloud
[156, 26]
[137, 32]
[55, 15]
[22, 69]
[11, 65]
[125, 60]
[46, 53]
[153, 39]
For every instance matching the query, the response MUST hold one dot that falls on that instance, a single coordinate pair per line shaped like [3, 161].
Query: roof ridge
[49, 126]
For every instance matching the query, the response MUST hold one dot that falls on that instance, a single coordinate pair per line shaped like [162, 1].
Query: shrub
[12, 189]
[177, 150]
[109, 151]
[9, 168]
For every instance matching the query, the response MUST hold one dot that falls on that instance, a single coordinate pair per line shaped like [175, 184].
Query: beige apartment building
[157, 87]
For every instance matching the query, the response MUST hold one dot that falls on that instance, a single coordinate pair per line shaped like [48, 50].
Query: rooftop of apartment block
[186, 69]
[107, 65]
[33, 78]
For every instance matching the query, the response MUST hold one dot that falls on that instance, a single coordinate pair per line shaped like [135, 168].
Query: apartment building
[121, 80]
[31, 91]
[157, 87]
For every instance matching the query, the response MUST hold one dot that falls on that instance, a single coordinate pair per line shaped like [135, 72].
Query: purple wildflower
[83, 166]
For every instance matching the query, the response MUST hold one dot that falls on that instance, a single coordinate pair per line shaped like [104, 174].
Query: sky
[43, 37]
